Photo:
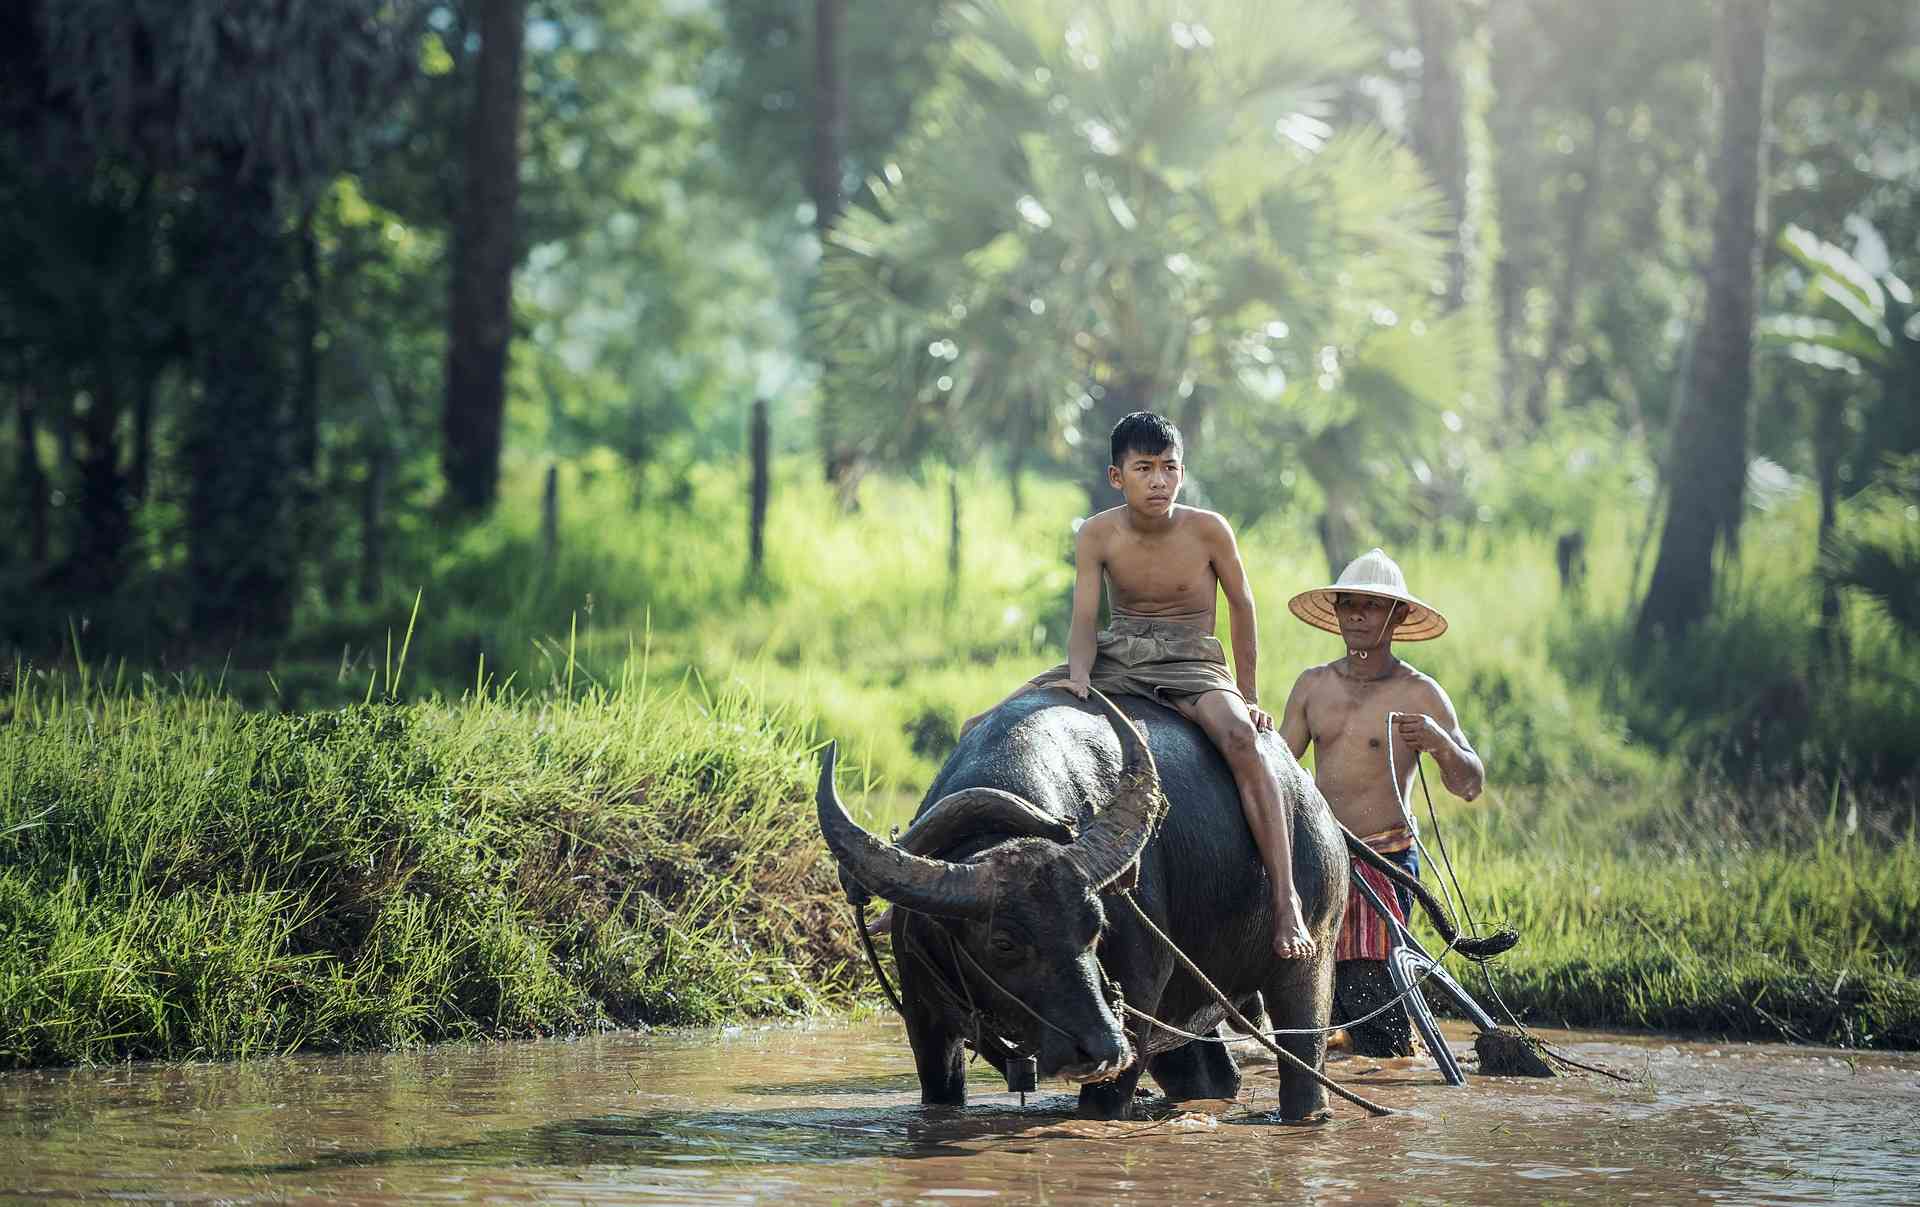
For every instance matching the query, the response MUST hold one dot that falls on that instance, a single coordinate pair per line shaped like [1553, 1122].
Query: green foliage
[1145, 219]
[185, 879]
[1878, 552]
[289, 89]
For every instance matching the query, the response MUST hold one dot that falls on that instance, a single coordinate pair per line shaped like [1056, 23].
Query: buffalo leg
[1196, 1070]
[939, 1058]
[1110, 1099]
[1300, 996]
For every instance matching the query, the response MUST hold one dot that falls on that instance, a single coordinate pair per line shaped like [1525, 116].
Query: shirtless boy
[1343, 708]
[1163, 563]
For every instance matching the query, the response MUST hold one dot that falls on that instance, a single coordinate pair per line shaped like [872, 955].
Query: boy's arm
[1082, 644]
[1241, 621]
[1438, 733]
[1293, 719]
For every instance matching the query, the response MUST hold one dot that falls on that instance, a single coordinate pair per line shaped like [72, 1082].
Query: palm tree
[1102, 208]
[1858, 334]
[247, 105]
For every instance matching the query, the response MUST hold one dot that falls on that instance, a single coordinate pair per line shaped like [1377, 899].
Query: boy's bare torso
[1346, 720]
[1160, 575]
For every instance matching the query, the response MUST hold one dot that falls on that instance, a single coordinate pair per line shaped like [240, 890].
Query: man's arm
[1242, 623]
[1293, 719]
[1082, 643]
[1438, 733]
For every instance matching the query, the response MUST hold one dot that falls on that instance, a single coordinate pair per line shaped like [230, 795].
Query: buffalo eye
[1004, 946]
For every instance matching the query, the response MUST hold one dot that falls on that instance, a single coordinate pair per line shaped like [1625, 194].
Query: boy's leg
[1223, 715]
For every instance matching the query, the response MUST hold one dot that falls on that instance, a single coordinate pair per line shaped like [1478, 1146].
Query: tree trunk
[1707, 465]
[759, 440]
[306, 395]
[485, 246]
[1573, 268]
[829, 112]
[1829, 437]
[1439, 128]
[105, 526]
[33, 478]
[140, 474]
[824, 169]
[373, 543]
[239, 555]
[550, 520]
[1515, 174]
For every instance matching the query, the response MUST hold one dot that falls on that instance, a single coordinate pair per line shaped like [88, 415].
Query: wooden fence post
[550, 517]
[758, 439]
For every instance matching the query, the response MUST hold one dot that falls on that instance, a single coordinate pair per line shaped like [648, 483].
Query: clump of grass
[1789, 913]
[182, 878]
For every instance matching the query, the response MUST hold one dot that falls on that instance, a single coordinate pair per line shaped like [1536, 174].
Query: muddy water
[832, 1114]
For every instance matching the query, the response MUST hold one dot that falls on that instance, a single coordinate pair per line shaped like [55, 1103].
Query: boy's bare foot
[1291, 939]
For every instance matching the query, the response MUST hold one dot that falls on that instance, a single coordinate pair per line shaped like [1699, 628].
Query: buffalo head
[1024, 912]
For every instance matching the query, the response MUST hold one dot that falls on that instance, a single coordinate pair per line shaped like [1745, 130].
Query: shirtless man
[1343, 708]
[1162, 564]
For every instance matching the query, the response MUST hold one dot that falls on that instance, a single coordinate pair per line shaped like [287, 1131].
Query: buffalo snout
[1092, 1058]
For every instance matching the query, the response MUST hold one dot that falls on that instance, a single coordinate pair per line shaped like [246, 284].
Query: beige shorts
[1157, 659]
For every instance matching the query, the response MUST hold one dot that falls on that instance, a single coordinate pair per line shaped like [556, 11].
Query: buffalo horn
[1120, 832]
[928, 886]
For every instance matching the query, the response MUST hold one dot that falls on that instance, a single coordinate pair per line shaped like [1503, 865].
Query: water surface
[831, 1113]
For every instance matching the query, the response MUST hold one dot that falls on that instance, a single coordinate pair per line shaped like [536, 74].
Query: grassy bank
[182, 878]
[1761, 914]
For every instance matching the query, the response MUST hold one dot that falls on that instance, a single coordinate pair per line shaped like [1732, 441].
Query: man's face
[1150, 481]
[1366, 621]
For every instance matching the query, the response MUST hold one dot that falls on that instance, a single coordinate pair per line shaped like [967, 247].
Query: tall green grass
[1785, 913]
[180, 877]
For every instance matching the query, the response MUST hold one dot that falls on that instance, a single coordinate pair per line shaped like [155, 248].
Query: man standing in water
[1369, 717]
[1163, 565]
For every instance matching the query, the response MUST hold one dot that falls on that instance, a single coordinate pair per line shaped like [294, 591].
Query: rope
[873, 959]
[1276, 1032]
[1486, 973]
[1240, 1020]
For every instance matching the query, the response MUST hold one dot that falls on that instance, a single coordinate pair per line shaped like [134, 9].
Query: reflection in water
[831, 1113]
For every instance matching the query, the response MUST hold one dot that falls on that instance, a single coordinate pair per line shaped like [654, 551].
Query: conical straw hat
[1372, 573]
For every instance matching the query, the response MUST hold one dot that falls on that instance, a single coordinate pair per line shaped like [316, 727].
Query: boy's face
[1150, 481]
[1367, 621]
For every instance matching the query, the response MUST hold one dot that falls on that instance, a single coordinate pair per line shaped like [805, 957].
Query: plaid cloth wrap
[1364, 935]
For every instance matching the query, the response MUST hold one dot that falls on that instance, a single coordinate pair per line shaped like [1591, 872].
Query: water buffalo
[1008, 935]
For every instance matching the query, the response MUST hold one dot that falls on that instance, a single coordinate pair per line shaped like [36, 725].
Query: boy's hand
[1421, 732]
[1262, 719]
[1078, 687]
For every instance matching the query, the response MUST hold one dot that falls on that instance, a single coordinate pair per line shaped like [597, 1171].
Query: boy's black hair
[1144, 432]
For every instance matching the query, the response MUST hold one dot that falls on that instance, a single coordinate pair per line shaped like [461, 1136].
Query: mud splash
[831, 1113]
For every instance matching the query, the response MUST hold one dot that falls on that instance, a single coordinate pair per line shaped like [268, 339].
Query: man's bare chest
[1352, 719]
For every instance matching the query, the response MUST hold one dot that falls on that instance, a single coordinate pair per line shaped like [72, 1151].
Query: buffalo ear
[971, 812]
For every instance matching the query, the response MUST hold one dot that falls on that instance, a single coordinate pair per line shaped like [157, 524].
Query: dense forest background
[310, 312]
